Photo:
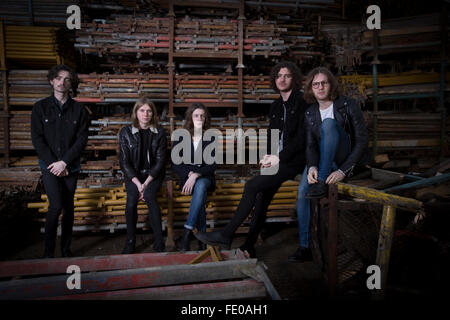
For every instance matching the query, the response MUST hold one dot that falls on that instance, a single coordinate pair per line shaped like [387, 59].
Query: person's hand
[335, 177]
[269, 160]
[312, 175]
[64, 173]
[57, 167]
[190, 182]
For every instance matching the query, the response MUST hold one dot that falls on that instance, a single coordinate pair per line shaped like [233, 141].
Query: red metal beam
[216, 290]
[99, 263]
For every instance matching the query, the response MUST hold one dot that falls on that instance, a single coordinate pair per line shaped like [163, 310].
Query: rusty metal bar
[53, 286]
[98, 263]
[223, 290]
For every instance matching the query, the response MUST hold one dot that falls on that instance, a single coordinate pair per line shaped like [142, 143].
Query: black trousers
[154, 211]
[258, 193]
[60, 192]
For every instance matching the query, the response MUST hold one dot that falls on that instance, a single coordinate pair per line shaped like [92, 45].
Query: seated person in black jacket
[143, 146]
[286, 116]
[337, 138]
[195, 178]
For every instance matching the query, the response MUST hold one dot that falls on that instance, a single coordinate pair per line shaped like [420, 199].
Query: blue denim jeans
[334, 149]
[303, 211]
[197, 212]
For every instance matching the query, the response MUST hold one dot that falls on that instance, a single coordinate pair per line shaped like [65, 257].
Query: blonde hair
[143, 101]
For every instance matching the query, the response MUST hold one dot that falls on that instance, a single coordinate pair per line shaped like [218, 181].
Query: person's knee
[150, 198]
[201, 186]
[328, 125]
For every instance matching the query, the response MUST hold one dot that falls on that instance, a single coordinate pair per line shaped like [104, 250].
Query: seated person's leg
[303, 252]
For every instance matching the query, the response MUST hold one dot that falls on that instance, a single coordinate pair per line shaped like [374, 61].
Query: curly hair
[334, 86]
[74, 80]
[295, 71]
[189, 124]
[142, 101]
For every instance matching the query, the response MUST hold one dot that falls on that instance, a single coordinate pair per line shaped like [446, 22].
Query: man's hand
[57, 168]
[269, 160]
[64, 173]
[312, 175]
[190, 182]
[335, 177]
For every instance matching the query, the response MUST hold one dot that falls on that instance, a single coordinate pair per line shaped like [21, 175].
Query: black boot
[66, 253]
[301, 255]
[129, 247]
[185, 242]
[317, 190]
[48, 253]
[215, 238]
[201, 246]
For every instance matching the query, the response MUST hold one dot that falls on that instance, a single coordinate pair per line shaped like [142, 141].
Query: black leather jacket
[130, 145]
[350, 117]
[294, 139]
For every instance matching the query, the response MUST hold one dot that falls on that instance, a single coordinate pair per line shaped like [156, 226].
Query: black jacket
[206, 170]
[350, 117]
[130, 147]
[59, 135]
[294, 139]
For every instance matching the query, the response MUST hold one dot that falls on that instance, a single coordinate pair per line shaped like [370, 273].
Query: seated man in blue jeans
[336, 146]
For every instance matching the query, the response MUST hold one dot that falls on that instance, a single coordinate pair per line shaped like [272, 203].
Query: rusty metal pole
[5, 113]
[240, 65]
[385, 239]
[170, 65]
[170, 243]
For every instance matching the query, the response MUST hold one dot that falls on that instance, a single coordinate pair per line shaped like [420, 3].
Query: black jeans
[154, 212]
[258, 193]
[60, 192]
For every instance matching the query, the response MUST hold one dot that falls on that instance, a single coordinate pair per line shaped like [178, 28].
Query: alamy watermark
[216, 153]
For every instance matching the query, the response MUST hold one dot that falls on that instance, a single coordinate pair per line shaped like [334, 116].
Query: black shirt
[145, 146]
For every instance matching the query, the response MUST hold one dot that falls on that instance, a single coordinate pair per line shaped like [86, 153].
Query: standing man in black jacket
[286, 115]
[59, 131]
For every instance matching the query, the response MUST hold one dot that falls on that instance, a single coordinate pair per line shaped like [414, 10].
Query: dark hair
[295, 71]
[334, 86]
[142, 101]
[74, 80]
[189, 124]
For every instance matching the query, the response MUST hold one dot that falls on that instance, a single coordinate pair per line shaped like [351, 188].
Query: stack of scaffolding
[407, 130]
[27, 87]
[210, 88]
[20, 130]
[150, 35]
[189, 88]
[33, 46]
[416, 34]
[360, 87]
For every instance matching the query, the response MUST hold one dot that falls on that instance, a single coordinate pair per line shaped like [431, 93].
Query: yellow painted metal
[385, 239]
[393, 79]
[383, 198]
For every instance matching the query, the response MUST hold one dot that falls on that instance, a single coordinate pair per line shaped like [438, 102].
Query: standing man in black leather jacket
[286, 115]
[143, 146]
[59, 132]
